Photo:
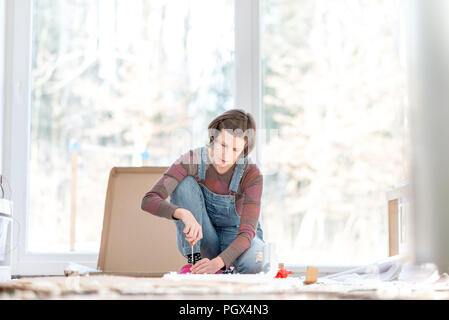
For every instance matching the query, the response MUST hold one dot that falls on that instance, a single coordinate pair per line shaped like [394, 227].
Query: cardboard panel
[133, 240]
[393, 228]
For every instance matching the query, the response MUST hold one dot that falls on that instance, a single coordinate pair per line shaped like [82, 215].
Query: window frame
[16, 122]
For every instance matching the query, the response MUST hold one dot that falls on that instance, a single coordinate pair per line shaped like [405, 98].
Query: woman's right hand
[193, 229]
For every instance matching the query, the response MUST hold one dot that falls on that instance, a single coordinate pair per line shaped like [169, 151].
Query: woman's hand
[207, 266]
[193, 229]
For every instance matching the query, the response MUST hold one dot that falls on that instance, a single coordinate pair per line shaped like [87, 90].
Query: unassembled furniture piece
[398, 219]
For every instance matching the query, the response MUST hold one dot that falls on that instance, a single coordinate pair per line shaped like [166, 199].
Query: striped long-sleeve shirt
[247, 199]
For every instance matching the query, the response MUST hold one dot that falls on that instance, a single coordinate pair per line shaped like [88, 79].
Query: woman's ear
[245, 148]
[242, 153]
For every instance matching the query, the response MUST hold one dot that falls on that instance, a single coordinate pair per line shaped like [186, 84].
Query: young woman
[215, 193]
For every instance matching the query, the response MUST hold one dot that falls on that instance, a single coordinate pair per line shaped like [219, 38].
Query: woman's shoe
[227, 271]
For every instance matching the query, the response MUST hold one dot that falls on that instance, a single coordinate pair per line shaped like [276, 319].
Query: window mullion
[16, 118]
[247, 63]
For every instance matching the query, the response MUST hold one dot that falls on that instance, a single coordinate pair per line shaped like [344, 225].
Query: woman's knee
[252, 260]
[186, 191]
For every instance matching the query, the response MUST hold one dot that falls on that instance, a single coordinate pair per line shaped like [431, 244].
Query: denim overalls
[218, 217]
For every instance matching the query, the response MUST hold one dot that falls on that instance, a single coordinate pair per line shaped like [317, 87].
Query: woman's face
[227, 148]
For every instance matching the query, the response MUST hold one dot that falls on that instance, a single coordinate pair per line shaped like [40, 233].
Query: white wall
[429, 82]
[2, 74]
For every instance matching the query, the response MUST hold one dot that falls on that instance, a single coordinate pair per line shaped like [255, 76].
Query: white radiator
[5, 239]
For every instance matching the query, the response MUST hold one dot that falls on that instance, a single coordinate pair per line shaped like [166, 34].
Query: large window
[130, 83]
[334, 94]
[117, 83]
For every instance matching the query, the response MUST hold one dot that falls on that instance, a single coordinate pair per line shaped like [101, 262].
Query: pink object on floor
[185, 269]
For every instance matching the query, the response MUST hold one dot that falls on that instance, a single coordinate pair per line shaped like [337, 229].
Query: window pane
[334, 87]
[117, 83]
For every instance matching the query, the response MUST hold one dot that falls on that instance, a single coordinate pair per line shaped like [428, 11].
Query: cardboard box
[132, 240]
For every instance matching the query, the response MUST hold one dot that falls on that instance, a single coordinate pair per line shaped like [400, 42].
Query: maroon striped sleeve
[154, 201]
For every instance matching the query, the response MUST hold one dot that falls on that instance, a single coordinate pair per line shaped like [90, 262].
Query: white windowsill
[300, 269]
[54, 264]
[33, 264]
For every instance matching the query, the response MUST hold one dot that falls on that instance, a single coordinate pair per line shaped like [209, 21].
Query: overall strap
[237, 176]
[203, 163]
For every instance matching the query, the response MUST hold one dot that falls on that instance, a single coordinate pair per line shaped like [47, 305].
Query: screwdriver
[192, 244]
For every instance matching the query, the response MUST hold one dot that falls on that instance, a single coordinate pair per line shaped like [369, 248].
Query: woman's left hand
[207, 266]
